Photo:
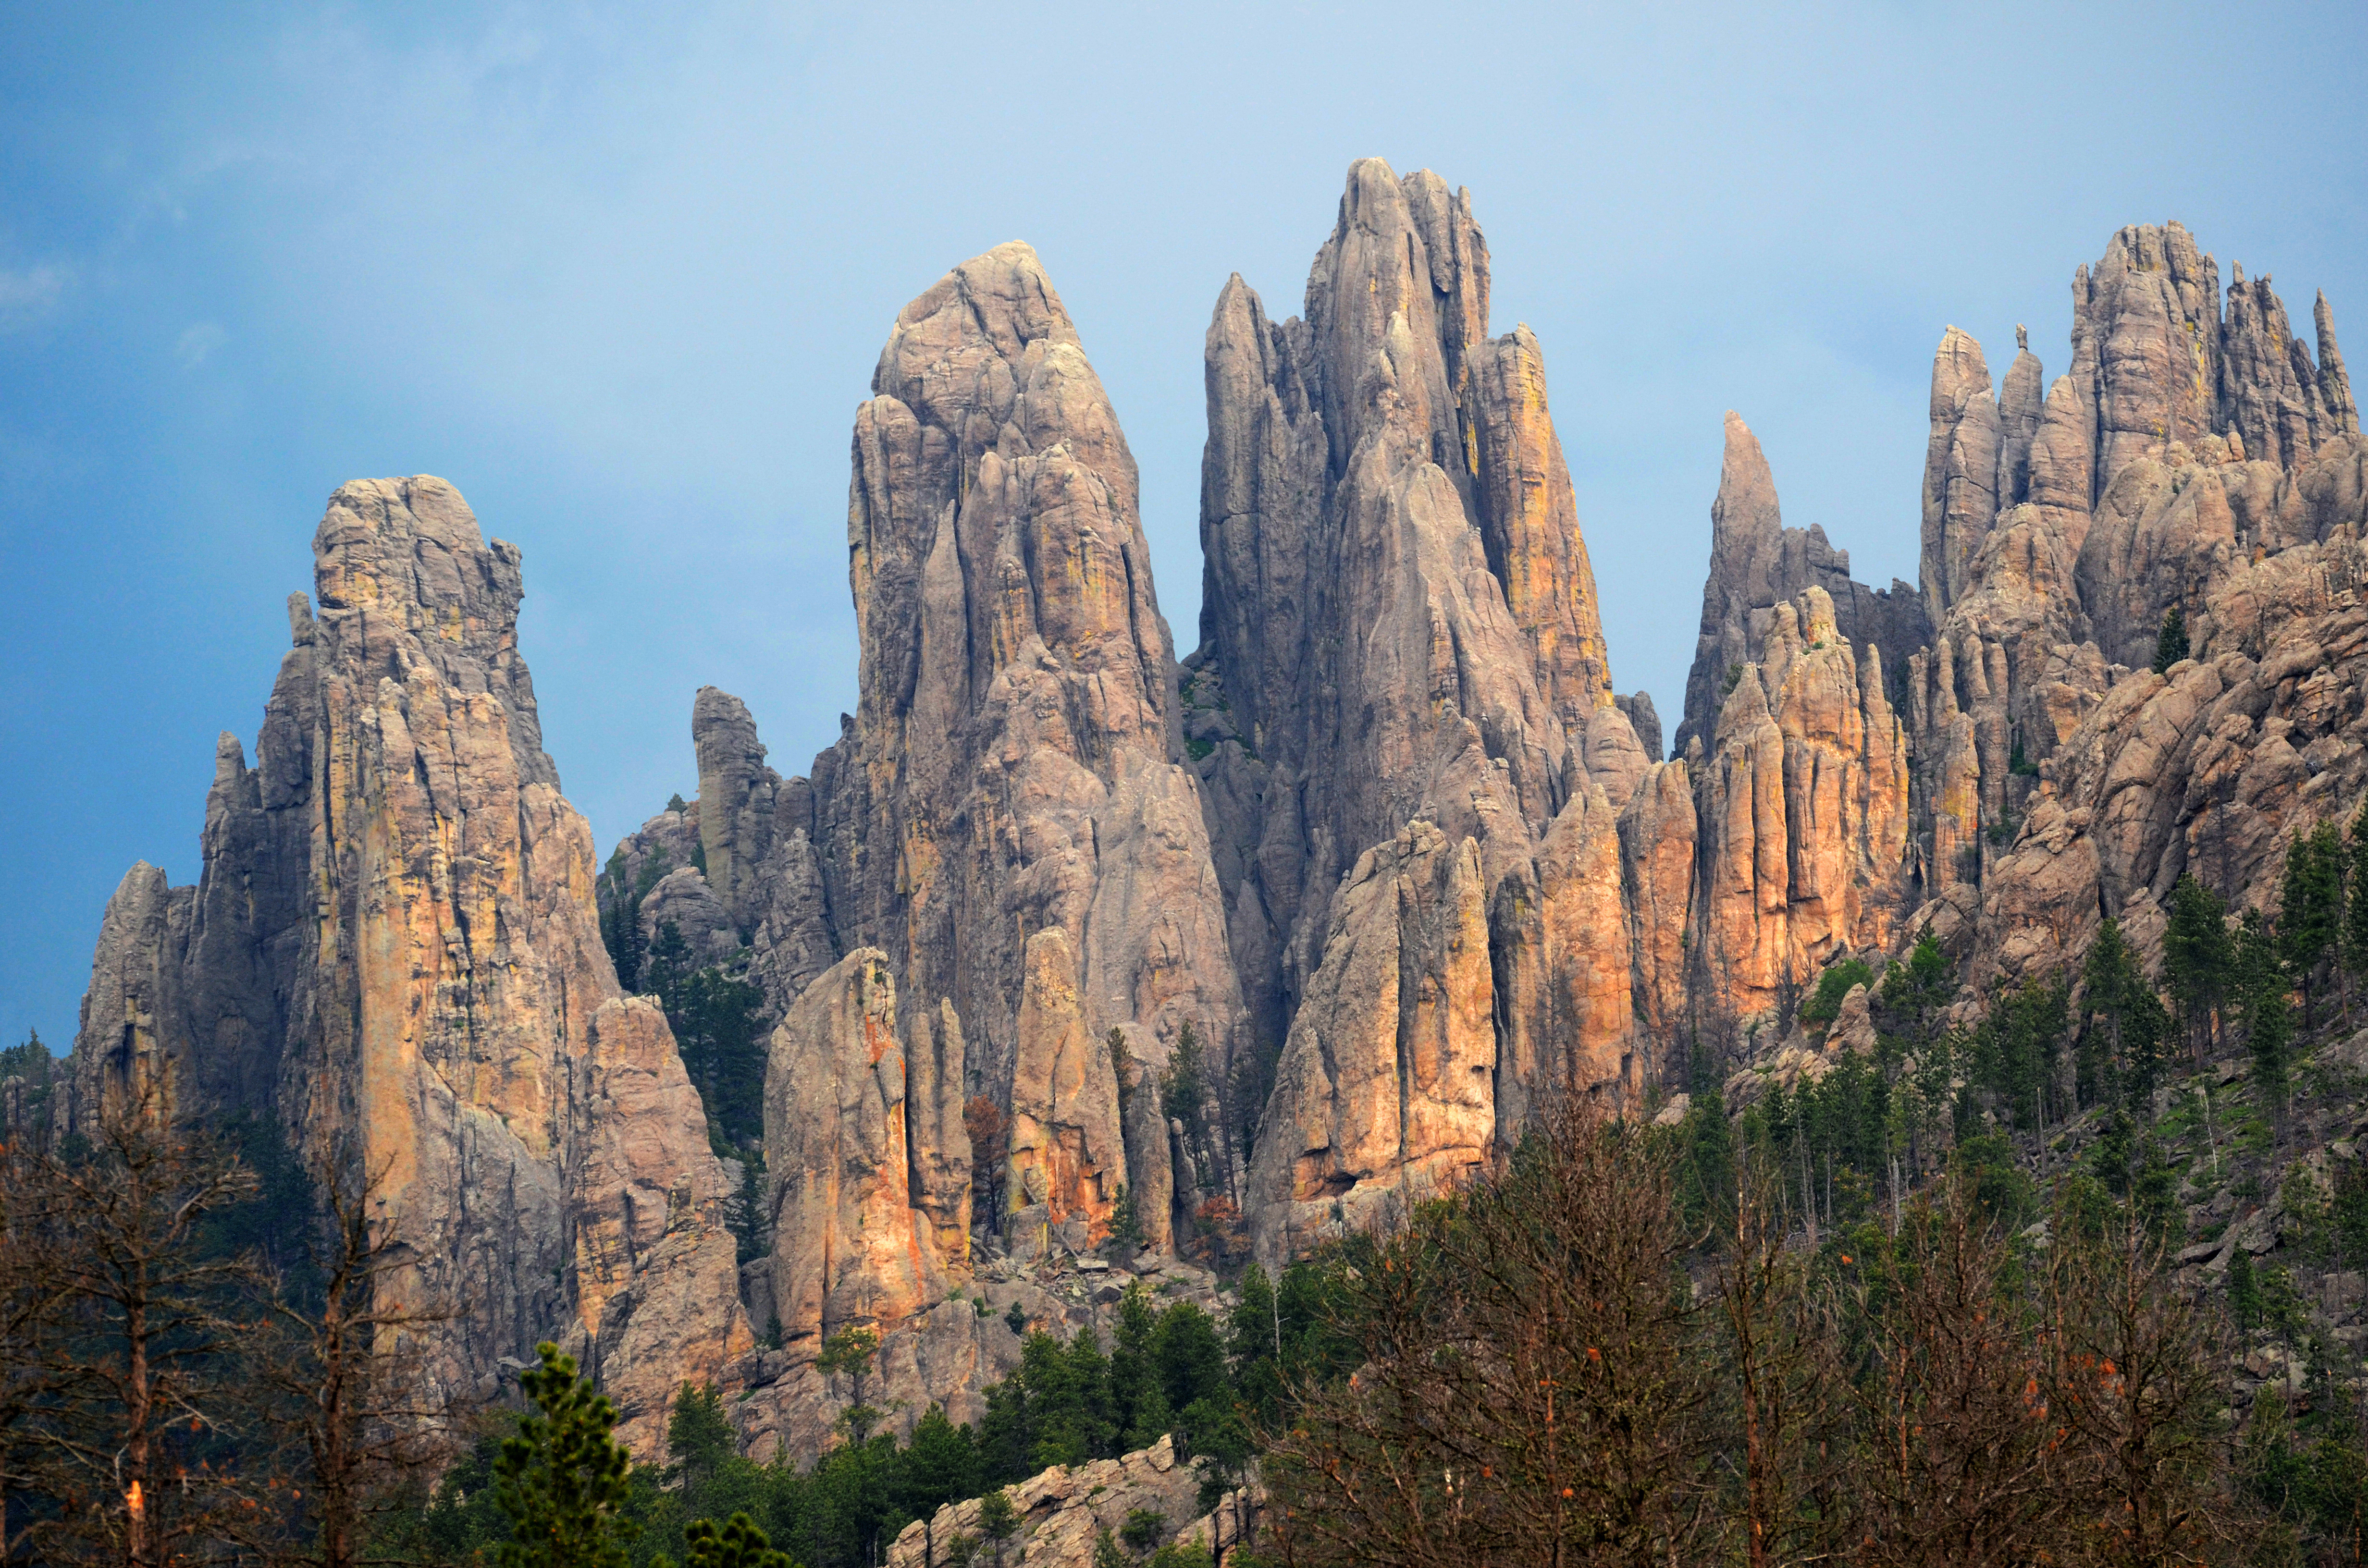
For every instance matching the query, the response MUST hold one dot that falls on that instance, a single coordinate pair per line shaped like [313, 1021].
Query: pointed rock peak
[1959, 370]
[1746, 509]
[2334, 385]
[1002, 297]
[2021, 339]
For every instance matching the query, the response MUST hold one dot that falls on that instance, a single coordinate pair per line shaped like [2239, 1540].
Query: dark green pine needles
[561, 1479]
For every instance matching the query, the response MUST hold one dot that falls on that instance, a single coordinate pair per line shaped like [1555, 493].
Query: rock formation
[1392, 554]
[1757, 563]
[853, 1140]
[1375, 875]
[393, 948]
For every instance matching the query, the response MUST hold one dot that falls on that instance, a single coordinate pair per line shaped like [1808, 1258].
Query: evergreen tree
[2264, 990]
[941, 1465]
[2310, 909]
[2355, 906]
[2244, 1292]
[2196, 957]
[561, 1479]
[698, 1436]
[2132, 1018]
[2171, 642]
[1921, 988]
[739, 1544]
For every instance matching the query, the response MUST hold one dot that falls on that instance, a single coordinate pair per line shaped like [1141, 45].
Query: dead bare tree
[2133, 1391]
[126, 1446]
[342, 1378]
[1535, 1387]
[1958, 1463]
[1786, 1387]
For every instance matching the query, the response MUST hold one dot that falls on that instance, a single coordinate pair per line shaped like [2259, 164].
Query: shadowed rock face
[1392, 554]
[1010, 768]
[1389, 833]
[393, 948]
[1757, 564]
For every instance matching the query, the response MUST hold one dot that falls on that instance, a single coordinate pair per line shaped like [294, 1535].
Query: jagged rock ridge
[393, 948]
[1388, 841]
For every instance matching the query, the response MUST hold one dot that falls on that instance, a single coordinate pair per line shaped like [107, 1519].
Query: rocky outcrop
[393, 948]
[1385, 1090]
[2183, 447]
[1064, 1511]
[1803, 808]
[1757, 563]
[850, 1245]
[1392, 554]
[1010, 766]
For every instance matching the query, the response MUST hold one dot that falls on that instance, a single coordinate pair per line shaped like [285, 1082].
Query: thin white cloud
[28, 295]
[198, 340]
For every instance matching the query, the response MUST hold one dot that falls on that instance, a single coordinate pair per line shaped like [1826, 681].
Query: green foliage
[2001, 1190]
[739, 1544]
[2019, 765]
[1186, 1094]
[620, 913]
[2266, 1010]
[1126, 1225]
[560, 1477]
[2198, 959]
[2244, 1292]
[1833, 985]
[2171, 642]
[1143, 1529]
[1706, 1167]
[2310, 1474]
[2310, 909]
[1921, 989]
[720, 1024]
[31, 1061]
[699, 1437]
[2126, 1027]
[2017, 1047]
[747, 1217]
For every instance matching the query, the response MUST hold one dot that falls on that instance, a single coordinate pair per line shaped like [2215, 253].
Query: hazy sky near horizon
[622, 273]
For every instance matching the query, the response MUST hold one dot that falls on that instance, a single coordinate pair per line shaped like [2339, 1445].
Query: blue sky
[622, 273]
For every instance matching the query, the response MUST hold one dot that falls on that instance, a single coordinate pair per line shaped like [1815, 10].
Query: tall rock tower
[393, 947]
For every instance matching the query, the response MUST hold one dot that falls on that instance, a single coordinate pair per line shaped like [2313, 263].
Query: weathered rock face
[1068, 1153]
[393, 947]
[1803, 807]
[1064, 1511]
[1384, 1091]
[1757, 563]
[849, 1148]
[1391, 552]
[1002, 842]
[1009, 768]
[2183, 445]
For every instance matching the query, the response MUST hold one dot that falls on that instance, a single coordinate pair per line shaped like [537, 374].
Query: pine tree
[2310, 910]
[739, 1544]
[2355, 908]
[2135, 1021]
[2244, 1290]
[561, 1479]
[2264, 989]
[699, 1435]
[2171, 642]
[2196, 957]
